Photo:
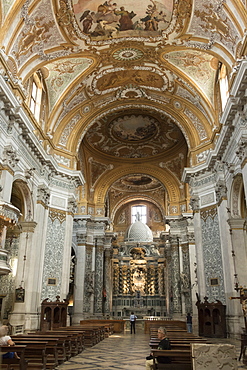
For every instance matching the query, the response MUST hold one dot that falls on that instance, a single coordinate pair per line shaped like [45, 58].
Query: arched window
[139, 213]
[36, 96]
[224, 88]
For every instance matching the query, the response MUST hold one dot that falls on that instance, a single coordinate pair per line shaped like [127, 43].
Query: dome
[138, 232]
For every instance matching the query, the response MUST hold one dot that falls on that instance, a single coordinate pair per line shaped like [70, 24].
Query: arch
[184, 123]
[237, 197]
[21, 198]
[166, 178]
[133, 198]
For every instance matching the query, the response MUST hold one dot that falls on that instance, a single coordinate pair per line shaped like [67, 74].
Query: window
[139, 213]
[224, 89]
[36, 96]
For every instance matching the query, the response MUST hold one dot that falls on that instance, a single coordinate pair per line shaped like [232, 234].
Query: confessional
[53, 314]
[212, 319]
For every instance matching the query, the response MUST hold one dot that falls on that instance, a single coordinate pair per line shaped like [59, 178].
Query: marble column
[108, 278]
[88, 281]
[239, 247]
[25, 312]
[79, 278]
[200, 272]
[175, 276]
[98, 283]
[8, 213]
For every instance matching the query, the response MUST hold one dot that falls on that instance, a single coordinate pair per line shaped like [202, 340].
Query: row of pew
[47, 349]
[180, 353]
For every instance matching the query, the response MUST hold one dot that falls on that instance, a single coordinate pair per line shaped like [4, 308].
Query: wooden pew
[35, 354]
[76, 339]
[55, 349]
[90, 334]
[169, 324]
[14, 363]
[63, 345]
[117, 326]
[175, 342]
[180, 359]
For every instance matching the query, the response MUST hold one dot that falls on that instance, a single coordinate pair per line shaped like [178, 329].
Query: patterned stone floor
[121, 351]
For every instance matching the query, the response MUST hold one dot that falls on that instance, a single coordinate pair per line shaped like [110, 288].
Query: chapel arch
[22, 199]
[238, 201]
[82, 125]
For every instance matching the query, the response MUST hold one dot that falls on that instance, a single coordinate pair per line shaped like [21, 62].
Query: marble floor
[122, 351]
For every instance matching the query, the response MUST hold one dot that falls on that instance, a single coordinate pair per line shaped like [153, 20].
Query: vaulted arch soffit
[165, 177]
[191, 123]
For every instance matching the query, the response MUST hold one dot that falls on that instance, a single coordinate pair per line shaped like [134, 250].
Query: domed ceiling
[134, 135]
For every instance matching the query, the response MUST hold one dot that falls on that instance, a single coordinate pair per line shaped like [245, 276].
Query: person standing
[189, 323]
[133, 318]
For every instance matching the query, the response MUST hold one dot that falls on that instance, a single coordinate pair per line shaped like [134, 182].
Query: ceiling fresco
[60, 75]
[137, 182]
[124, 18]
[135, 136]
[200, 67]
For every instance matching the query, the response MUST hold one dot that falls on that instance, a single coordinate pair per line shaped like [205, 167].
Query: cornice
[16, 115]
[234, 104]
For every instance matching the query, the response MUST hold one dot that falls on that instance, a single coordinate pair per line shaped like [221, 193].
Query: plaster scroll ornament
[10, 157]
[221, 190]
[201, 157]
[43, 194]
[195, 202]
[72, 205]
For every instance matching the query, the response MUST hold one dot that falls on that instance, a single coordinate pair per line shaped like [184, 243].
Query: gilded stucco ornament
[127, 54]
[148, 77]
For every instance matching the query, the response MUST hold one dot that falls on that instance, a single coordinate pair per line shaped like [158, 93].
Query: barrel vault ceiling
[130, 87]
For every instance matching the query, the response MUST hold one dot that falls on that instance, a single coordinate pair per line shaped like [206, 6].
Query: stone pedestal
[214, 356]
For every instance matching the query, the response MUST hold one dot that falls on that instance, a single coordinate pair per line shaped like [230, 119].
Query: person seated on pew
[5, 340]
[163, 344]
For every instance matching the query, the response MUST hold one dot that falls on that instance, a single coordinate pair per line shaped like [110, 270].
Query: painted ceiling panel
[62, 74]
[97, 18]
[39, 33]
[200, 67]
[211, 20]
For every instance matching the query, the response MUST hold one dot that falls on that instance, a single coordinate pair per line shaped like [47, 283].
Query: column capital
[221, 191]
[27, 226]
[43, 195]
[10, 158]
[195, 203]
[236, 223]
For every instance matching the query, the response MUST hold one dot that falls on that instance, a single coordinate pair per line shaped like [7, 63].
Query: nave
[123, 351]
[119, 351]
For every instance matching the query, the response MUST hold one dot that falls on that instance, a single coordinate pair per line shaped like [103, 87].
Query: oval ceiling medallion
[127, 54]
[134, 127]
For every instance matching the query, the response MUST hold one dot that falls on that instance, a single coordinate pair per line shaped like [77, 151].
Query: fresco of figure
[125, 21]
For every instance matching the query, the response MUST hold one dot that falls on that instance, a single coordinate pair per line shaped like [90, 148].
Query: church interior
[123, 160]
